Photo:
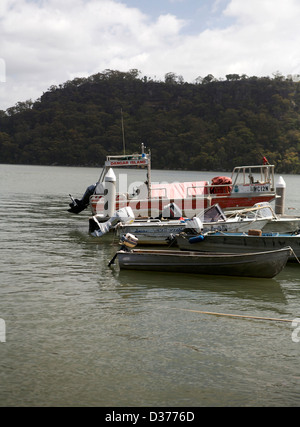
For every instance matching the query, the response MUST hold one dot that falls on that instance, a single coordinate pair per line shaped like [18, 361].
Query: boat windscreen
[212, 214]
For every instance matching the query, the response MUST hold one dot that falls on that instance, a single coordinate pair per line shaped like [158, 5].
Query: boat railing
[245, 175]
[163, 190]
[220, 190]
[202, 190]
[194, 189]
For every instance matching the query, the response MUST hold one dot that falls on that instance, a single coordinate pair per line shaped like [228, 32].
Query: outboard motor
[127, 242]
[193, 227]
[79, 205]
[98, 229]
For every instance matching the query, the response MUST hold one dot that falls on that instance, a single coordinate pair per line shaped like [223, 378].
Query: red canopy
[179, 190]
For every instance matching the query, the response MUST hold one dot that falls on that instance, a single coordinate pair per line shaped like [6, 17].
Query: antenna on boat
[123, 133]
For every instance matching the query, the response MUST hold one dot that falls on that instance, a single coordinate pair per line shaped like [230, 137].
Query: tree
[208, 124]
[208, 79]
[233, 77]
[172, 78]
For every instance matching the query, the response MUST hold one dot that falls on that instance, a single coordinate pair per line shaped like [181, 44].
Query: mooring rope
[236, 315]
[293, 252]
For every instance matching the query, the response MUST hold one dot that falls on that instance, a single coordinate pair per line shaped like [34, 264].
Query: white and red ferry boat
[246, 186]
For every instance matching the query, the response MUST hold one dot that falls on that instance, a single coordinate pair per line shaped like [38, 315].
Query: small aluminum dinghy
[260, 264]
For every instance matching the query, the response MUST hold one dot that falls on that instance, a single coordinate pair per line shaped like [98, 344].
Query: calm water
[81, 334]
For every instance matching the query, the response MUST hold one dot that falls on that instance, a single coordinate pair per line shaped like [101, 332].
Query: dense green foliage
[207, 125]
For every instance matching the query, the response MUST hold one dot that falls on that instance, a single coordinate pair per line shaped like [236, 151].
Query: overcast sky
[47, 42]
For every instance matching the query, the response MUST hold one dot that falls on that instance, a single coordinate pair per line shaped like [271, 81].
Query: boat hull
[151, 234]
[239, 242]
[259, 265]
[160, 233]
[282, 225]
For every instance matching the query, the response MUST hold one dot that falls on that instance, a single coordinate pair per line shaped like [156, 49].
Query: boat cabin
[251, 179]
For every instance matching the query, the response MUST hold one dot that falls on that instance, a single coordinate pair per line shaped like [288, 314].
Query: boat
[161, 231]
[158, 231]
[215, 219]
[266, 264]
[150, 231]
[226, 242]
[263, 211]
[246, 186]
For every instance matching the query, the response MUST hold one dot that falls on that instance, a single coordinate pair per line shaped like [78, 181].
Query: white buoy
[280, 196]
[110, 193]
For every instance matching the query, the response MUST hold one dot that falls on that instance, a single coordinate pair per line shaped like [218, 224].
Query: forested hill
[208, 125]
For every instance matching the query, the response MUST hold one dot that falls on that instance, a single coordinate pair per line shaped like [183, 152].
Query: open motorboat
[260, 264]
[263, 211]
[215, 219]
[226, 242]
[155, 231]
[161, 231]
[158, 231]
[246, 186]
